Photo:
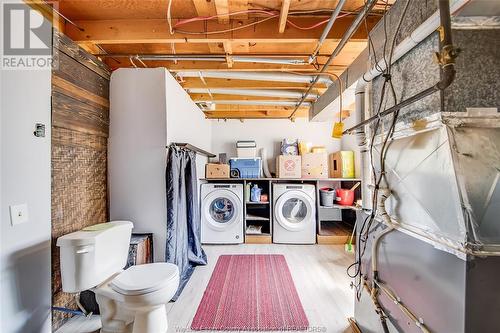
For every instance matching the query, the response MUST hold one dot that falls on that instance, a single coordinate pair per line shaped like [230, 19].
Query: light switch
[18, 214]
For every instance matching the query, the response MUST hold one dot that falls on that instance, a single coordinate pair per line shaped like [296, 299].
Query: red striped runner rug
[250, 293]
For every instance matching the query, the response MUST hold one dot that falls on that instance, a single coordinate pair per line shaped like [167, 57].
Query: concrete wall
[269, 133]
[25, 279]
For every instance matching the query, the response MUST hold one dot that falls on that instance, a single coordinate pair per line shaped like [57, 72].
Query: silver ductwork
[255, 76]
[253, 102]
[251, 92]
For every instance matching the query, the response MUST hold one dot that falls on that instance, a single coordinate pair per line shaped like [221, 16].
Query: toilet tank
[90, 256]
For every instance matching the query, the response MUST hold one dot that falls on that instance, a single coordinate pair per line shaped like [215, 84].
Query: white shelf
[340, 207]
[257, 203]
[256, 218]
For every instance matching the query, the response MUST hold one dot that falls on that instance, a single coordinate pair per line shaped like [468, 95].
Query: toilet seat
[144, 279]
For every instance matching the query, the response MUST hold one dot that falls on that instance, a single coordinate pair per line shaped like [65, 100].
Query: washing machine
[222, 213]
[294, 220]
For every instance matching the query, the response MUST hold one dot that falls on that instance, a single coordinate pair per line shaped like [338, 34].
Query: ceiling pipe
[345, 38]
[419, 34]
[446, 56]
[284, 60]
[269, 60]
[326, 31]
[250, 92]
[250, 102]
[256, 76]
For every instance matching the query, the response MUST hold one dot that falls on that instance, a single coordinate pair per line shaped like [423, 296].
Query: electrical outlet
[18, 214]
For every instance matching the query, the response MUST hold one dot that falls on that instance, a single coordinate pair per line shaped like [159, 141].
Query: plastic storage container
[246, 152]
[245, 167]
[326, 196]
[345, 197]
[255, 194]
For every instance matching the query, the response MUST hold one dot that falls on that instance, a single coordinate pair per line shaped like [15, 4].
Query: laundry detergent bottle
[255, 194]
[248, 188]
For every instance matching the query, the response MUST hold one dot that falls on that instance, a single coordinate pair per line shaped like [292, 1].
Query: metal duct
[269, 60]
[247, 102]
[418, 35]
[255, 76]
[263, 59]
[327, 29]
[251, 92]
[340, 46]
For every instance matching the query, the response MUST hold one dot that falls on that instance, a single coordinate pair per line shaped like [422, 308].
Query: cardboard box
[288, 166]
[342, 164]
[315, 165]
[214, 170]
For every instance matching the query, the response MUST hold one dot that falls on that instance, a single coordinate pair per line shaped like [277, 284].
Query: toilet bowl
[130, 301]
[134, 300]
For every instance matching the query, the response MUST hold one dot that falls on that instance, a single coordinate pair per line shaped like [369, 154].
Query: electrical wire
[272, 14]
[368, 222]
[169, 17]
[225, 30]
[49, 3]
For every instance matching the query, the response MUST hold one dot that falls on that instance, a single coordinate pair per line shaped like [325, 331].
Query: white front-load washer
[222, 213]
[294, 210]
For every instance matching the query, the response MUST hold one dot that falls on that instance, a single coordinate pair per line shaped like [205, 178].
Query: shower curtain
[183, 214]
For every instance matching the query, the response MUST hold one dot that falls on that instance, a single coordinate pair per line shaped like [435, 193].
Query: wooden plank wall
[80, 125]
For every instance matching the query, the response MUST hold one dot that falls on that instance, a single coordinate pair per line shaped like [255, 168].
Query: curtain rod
[193, 148]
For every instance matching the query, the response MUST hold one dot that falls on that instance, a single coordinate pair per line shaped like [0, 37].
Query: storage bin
[245, 167]
[326, 196]
[345, 197]
[288, 166]
[246, 152]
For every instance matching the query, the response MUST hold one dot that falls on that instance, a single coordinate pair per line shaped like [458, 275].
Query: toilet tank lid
[88, 235]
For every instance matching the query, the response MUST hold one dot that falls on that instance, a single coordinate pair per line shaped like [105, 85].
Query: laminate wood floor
[318, 271]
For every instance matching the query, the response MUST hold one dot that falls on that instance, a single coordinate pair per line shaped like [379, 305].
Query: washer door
[293, 210]
[221, 209]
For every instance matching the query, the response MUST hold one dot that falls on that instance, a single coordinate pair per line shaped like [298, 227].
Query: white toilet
[131, 300]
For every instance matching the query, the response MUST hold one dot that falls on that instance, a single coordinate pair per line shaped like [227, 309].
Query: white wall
[25, 276]
[185, 121]
[149, 109]
[136, 152]
[269, 134]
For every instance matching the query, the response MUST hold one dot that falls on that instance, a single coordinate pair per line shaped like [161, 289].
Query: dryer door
[293, 210]
[221, 209]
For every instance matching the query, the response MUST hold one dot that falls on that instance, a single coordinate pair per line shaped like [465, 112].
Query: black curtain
[183, 214]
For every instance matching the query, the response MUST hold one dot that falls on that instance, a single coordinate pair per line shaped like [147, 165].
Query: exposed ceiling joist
[189, 83]
[203, 7]
[287, 94]
[255, 75]
[256, 102]
[254, 114]
[283, 15]
[156, 31]
[277, 46]
[241, 108]
[221, 66]
[200, 97]
[222, 9]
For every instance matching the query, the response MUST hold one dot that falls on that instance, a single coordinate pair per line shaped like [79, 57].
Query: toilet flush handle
[85, 249]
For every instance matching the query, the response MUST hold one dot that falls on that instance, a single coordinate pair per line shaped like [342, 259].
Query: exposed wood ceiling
[141, 33]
